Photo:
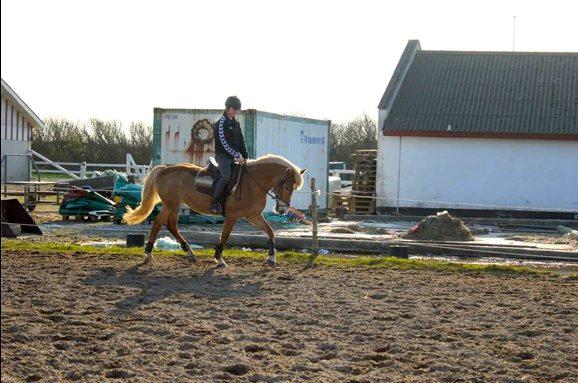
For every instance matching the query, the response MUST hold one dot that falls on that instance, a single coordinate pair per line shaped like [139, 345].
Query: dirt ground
[95, 318]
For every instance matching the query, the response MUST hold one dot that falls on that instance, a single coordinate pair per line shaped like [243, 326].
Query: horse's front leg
[227, 228]
[261, 223]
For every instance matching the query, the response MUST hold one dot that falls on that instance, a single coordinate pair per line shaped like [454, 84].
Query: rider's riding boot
[215, 208]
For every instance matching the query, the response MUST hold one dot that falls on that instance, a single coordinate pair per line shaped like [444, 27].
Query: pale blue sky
[321, 59]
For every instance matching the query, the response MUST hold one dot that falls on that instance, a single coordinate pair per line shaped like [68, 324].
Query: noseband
[276, 190]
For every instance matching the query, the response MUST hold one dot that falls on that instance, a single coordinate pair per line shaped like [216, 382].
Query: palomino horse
[172, 185]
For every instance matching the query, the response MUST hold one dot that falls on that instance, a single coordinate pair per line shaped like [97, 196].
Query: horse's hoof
[271, 263]
[191, 259]
[146, 266]
[221, 265]
[148, 261]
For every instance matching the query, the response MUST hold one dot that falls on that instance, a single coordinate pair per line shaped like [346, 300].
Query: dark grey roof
[486, 92]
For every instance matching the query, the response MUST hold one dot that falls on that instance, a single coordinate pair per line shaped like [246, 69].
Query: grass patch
[294, 258]
[572, 277]
[51, 176]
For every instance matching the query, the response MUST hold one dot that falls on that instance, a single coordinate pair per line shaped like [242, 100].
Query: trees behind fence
[107, 142]
[346, 138]
[97, 141]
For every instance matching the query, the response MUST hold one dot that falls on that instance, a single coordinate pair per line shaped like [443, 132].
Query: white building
[483, 132]
[18, 122]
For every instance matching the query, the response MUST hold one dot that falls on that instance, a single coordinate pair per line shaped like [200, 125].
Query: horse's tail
[150, 198]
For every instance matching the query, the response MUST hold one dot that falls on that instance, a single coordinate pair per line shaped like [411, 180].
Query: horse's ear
[303, 171]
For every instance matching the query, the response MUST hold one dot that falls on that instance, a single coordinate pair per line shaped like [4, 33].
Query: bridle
[277, 190]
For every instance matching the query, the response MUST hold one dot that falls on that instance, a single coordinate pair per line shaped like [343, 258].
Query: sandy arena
[94, 318]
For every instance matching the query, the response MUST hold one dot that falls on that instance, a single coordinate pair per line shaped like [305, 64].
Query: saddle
[206, 180]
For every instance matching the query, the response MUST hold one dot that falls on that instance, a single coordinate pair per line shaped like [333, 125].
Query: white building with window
[18, 122]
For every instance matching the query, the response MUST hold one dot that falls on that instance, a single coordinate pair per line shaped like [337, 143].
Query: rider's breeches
[225, 168]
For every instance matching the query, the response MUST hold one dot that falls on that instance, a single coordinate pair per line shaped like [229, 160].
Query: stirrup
[216, 208]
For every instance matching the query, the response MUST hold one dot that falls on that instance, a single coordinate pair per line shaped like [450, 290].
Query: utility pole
[514, 36]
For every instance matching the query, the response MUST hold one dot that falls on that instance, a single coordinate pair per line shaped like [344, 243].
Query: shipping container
[186, 135]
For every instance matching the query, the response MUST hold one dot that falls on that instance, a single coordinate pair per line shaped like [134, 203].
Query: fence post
[83, 170]
[315, 250]
[128, 157]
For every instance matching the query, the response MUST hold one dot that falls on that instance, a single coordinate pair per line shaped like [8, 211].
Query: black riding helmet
[233, 102]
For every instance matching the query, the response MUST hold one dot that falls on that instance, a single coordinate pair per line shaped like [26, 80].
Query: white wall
[18, 167]
[381, 169]
[304, 142]
[15, 133]
[487, 174]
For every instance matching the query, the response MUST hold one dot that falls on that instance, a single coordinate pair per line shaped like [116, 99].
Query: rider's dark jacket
[229, 138]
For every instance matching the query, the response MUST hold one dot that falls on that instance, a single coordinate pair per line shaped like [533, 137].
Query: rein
[268, 191]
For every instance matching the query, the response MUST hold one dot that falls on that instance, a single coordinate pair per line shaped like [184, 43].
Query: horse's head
[292, 180]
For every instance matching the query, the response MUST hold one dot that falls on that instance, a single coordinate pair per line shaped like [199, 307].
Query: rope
[473, 205]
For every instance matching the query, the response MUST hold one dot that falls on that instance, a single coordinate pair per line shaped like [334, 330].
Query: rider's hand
[241, 160]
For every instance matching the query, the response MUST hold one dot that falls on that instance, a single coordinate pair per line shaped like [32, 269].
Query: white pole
[128, 159]
[83, 170]
[514, 36]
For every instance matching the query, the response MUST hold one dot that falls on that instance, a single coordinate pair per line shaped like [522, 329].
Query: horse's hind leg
[227, 227]
[158, 223]
[262, 224]
[174, 229]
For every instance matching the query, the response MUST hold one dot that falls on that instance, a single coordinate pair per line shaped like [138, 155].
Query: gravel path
[95, 318]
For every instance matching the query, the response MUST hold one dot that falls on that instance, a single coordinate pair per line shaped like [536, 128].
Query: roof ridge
[27, 109]
[520, 53]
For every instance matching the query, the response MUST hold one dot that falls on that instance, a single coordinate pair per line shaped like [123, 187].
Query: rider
[229, 148]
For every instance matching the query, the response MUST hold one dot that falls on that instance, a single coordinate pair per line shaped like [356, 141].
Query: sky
[117, 60]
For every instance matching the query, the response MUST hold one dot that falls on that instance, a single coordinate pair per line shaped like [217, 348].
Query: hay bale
[440, 227]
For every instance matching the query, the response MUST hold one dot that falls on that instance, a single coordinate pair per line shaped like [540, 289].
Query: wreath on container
[202, 131]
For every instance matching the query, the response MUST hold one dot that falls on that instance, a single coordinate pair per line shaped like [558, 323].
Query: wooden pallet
[365, 193]
[86, 218]
[365, 160]
[365, 179]
[363, 189]
[341, 200]
[365, 154]
[362, 205]
[359, 170]
[363, 182]
[365, 164]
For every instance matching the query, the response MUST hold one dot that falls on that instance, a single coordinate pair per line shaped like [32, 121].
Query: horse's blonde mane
[274, 159]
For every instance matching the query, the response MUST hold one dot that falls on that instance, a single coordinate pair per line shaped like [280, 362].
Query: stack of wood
[363, 186]
[339, 203]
